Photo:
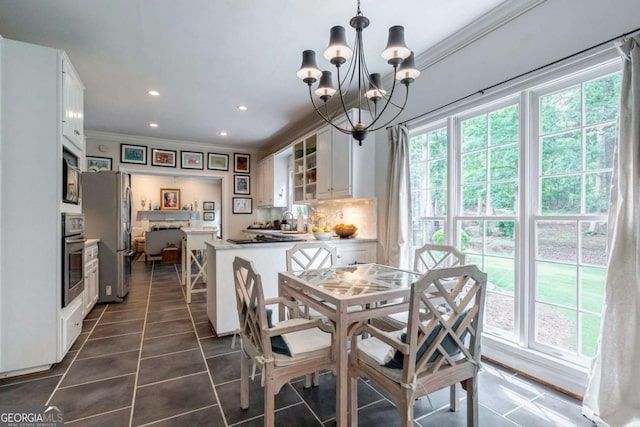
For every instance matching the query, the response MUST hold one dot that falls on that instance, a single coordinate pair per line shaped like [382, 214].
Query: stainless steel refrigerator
[107, 205]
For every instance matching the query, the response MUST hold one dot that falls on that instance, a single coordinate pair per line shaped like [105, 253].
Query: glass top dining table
[348, 296]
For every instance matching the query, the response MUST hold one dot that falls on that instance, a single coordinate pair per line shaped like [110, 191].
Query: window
[529, 205]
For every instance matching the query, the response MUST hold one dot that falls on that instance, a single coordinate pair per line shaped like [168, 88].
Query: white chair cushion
[376, 353]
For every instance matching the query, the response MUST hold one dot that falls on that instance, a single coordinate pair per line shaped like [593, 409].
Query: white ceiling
[206, 57]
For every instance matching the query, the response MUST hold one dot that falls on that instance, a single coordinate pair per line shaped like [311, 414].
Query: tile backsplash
[360, 212]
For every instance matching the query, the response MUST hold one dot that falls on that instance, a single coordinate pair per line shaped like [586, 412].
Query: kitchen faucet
[286, 218]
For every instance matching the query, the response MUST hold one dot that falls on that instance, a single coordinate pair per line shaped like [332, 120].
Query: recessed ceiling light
[242, 107]
[223, 133]
[153, 125]
[154, 93]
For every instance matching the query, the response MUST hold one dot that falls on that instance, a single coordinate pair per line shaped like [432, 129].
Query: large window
[529, 205]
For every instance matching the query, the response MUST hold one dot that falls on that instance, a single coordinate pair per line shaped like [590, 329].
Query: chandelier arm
[341, 95]
[388, 101]
[404, 104]
[325, 118]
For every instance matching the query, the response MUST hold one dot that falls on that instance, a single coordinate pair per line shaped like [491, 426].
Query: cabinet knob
[76, 132]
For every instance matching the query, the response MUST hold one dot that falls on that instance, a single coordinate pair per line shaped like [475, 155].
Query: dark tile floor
[154, 360]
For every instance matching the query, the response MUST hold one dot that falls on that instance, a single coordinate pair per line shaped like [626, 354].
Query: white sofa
[160, 237]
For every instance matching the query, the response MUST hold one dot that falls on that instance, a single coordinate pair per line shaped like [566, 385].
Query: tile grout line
[262, 415]
[144, 326]
[95, 381]
[522, 405]
[304, 402]
[113, 336]
[74, 358]
[155, 356]
[96, 415]
[105, 354]
[194, 374]
[179, 415]
[204, 359]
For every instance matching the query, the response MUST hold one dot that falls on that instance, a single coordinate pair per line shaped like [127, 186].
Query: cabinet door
[360, 253]
[267, 176]
[72, 106]
[95, 283]
[260, 184]
[324, 166]
[341, 172]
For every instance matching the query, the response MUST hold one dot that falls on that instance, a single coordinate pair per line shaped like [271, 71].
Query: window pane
[428, 231]
[438, 202]
[500, 274]
[474, 167]
[500, 311]
[503, 198]
[592, 288]
[561, 195]
[474, 199]
[500, 238]
[504, 162]
[438, 144]
[471, 236]
[418, 176]
[556, 327]
[561, 153]
[560, 111]
[597, 187]
[418, 150]
[438, 173]
[557, 241]
[504, 126]
[556, 284]
[599, 145]
[594, 243]
[474, 133]
[590, 331]
[601, 98]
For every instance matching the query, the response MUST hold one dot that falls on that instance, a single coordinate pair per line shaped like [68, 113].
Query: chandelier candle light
[397, 54]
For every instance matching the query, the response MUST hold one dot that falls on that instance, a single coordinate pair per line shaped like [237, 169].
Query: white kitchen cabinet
[345, 169]
[72, 105]
[355, 253]
[35, 330]
[91, 277]
[304, 170]
[272, 182]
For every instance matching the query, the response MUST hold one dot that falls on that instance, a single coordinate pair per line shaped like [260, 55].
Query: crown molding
[168, 143]
[480, 27]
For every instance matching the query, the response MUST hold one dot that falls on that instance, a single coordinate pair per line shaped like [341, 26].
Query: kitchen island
[268, 259]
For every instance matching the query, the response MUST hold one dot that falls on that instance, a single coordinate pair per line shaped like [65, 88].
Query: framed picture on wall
[191, 160]
[208, 216]
[166, 158]
[170, 198]
[241, 184]
[133, 154]
[241, 163]
[98, 164]
[208, 206]
[242, 205]
[218, 162]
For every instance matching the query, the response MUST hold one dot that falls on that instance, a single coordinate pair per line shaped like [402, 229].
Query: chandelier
[369, 85]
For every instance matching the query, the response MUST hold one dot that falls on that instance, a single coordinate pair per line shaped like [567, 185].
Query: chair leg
[244, 382]
[406, 412]
[472, 401]
[316, 379]
[269, 402]
[353, 401]
[307, 381]
[453, 398]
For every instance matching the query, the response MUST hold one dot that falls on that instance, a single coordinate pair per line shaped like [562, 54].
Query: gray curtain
[613, 395]
[397, 243]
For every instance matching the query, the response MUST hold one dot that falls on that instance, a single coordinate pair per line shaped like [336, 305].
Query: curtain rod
[482, 91]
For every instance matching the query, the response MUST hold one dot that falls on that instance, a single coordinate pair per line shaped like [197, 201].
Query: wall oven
[72, 256]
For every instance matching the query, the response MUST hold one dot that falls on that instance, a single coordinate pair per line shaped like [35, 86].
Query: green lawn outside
[557, 286]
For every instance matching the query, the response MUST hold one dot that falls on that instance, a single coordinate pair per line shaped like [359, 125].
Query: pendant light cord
[542, 67]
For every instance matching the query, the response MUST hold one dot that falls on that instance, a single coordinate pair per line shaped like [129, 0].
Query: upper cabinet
[345, 169]
[72, 104]
[304, 170]
[272, 182]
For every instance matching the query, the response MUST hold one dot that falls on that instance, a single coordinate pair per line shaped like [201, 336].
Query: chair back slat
[252, 314]
[311, 255]
[431, 256]
[456, 315]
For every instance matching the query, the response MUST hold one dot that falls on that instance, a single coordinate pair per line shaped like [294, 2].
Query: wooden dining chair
[289, 349]
[426, 258]
[307, 256]
[431, 354]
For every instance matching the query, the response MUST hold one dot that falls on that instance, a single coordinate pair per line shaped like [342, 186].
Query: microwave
[70, 178]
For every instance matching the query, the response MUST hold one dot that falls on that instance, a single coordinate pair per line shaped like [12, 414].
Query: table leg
[184, 262]
[342, 377]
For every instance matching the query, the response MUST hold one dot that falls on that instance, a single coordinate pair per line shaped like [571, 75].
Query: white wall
[105, 144]
[192, 189]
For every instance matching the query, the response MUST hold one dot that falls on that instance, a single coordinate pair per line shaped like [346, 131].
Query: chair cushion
[448, 343]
